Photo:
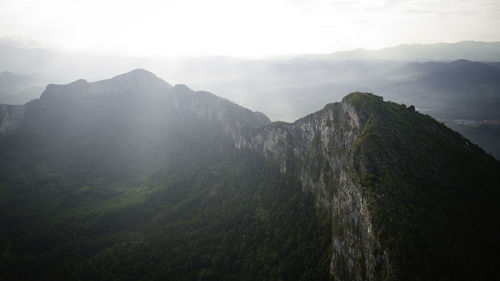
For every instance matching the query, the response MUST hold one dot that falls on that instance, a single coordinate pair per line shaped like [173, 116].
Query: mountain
[456, 86]
[467, 73]
[460, 85]
[19, 89]
[463, 94]
[397, 183]
[131, 178]
[134, 179]
[461, 91]
[133, 115]
[469, 50]
[495, 64]
[461, 66]
[11, 82]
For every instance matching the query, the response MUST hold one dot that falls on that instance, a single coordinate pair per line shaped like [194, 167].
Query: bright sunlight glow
[244, 28]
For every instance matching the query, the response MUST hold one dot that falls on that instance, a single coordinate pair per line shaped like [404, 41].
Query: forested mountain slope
[134, 179]
[410, 198]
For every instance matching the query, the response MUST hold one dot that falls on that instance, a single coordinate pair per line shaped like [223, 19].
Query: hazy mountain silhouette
[290, 88]
[18, 89]
[458, 89]
[469, 50]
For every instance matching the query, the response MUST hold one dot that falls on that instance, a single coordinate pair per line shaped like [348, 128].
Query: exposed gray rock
[318, 148]
[232, 117]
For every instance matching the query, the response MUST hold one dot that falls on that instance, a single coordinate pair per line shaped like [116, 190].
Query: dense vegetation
[101, 196]
[433, 195]
[132, 179]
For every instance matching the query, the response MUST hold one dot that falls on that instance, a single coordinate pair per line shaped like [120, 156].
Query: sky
[251, 28]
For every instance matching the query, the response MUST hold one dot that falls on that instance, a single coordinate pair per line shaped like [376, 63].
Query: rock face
[143, 87]
[208, 106]
[319, 148]
[409, 198]
[399, 186]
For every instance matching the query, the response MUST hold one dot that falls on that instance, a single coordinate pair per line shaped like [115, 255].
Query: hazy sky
[244, 28]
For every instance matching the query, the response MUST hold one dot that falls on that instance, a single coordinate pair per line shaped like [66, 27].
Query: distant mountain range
[59, 65]
[131, 178]
[18, 89]
[454, 82]
[469, 50]
[469, 90]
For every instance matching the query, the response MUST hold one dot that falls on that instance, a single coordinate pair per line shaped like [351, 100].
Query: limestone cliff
[409, 198]
[319, 149]
[389, 176]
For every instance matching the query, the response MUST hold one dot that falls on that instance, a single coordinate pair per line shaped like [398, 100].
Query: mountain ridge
[139, 82]
[399, 187]
[470, 50]
[338, 153]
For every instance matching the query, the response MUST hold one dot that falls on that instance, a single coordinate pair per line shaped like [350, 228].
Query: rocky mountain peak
[182, 88]
[136, 82]
[139, 75]
[377, 167]
[399, 187]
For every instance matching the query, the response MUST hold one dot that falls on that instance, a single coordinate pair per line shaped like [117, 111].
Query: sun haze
[243, 28]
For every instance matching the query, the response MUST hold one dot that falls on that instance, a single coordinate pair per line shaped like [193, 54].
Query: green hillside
[133, 179]
[433, 195]
[129, 187]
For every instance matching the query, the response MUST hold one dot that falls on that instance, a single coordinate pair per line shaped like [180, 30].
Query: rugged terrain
[134, 179]
[410, 198]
